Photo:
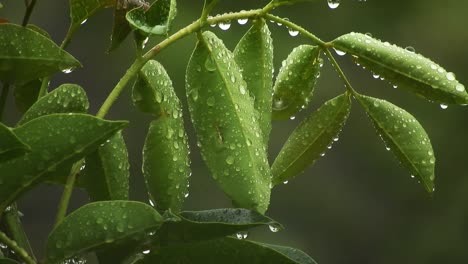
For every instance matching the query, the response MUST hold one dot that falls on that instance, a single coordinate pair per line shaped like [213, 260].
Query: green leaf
[311, 138]
[55, 140]
[211, 224]
[227, 251]
[406, 138]
[404, 68]
[120, 28]
[10, 145]
[254, 55]
[39, 30]
[7, 261]
[296, 81]
[81, 10]
[26, 55]
[228, 131]
[166, 163]
[157, 20]
[67, 98]
[107, 172]
[26, 94]
[99, 225]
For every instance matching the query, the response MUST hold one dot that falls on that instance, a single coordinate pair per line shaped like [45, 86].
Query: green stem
[67, 192]
[340, 71]
[3, 98]
[29, 9]
[15, 229]
[17, 249]
[207, 9]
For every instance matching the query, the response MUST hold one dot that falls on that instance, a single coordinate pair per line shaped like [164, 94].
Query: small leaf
[227, 251]
[81, 10]
[224, 118]
[311, 138]
[296, 81]
[254, 55]
[67, 98]
[157, 20]
[10, 145]
[217, 223]
[404, 68]
[55, 140]
[26, 94]
[99, 225]
[7, 261]
[107, 173]
[403, 134]
[26, 55]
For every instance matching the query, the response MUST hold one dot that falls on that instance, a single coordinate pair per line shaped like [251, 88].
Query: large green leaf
[81, 10]
[227, 127]
[55, 140]
[296, 81]
[26, 94]
[67, 98]
[26, 55]
[227, 251]
[404, 136]
[10, 145]
[404, 68]
[157, 20]
[99, 225]
[311, 138]
[217, 223]
[254, 55]
[107, 172]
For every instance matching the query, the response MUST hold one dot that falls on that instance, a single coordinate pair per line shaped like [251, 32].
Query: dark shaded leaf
[81, 10]
[10, 145]
[7, 261]
[157, 20]
[26, 55]
[405, 137]
[405, 69]
[227, 128]
[311, 139]
[99, 225]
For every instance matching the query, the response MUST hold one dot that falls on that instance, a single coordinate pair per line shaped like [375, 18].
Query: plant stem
[67, 192]
[3, 98]
[207, 9]
[12, 221]
[29, 9]
[340, 71]
[17, 249]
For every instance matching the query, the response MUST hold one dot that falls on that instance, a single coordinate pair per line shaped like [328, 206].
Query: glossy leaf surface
[296, 81]
[26, 55]
[310, 139]
[254, 55]
[157, 20]
[404, 68]
[227, 128]
[67, 98]
[10, 145]
[107, 172]
[229, 251]
[216, 223]
[26, 94]
[405, 137]
[100, 224]
[55, 140]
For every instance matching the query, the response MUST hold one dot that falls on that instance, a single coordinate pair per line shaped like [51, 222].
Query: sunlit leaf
[227, 251]
[254, 55]
[26, 55]
[67, 98]
[106, 174]
[296, 81]
[157, 20]
[99, 225]
[404, 136]
[55, 140]
[217, 223]
[404, 68]
[224, 117]
[310, 139]
[26, 94]
[10, 145]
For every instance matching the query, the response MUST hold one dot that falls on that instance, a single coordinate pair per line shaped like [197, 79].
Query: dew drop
[410, 49]
[210, 64]
[273, 228]
[285, 182]
[68, 70]
[242, 90]
[395, 86]
[333, 3]
[412, 176]
[443, 106]
[224, 25]
[336, 139]
[230, 160]
[84, 21]
[339, 52]
[292, 117]
[376, 76]
[450, 76]
[460, 87]
[242, 21]
[293, 33]
[242, 235]
[146, 251]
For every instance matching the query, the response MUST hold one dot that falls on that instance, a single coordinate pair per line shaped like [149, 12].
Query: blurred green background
[355, 205]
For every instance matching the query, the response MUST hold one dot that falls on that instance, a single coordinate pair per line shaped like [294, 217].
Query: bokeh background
[356, 204]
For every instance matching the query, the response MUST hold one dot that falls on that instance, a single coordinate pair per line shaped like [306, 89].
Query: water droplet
[395, 86]
[412, 176]
[224, 25]
[242, 21]
[84, 21]
[285, 182]
[450, 76]
[460, 87]
[339, 52]
[233, 79]
[210, 101]
[210, 64]
[292, 32]
[230, 160]
[146, 251]
[273, 228]
[242, 89]
[151, 202]
[333, 3]
[336, 139]
[387, 148]
[68, 70]
[376, 76]
[242, 235]
[443, 106]
[410, 49]
[186, 195]
[292, 117]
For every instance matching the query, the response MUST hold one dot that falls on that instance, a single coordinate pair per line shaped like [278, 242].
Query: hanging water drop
[376, 76]
[292, 117]
[273, 228]
[293, 33]
[84, 21]
[68, 70]
[242, 235]
[242, 21]
[224, 25]
[339, 52]
[285, 182]
[333, 3]
[443, 106]
[146, 251]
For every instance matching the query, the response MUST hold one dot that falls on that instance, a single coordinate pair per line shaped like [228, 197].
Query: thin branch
[29, 10]
[340, 71]
[17, 249]
[67, 192]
